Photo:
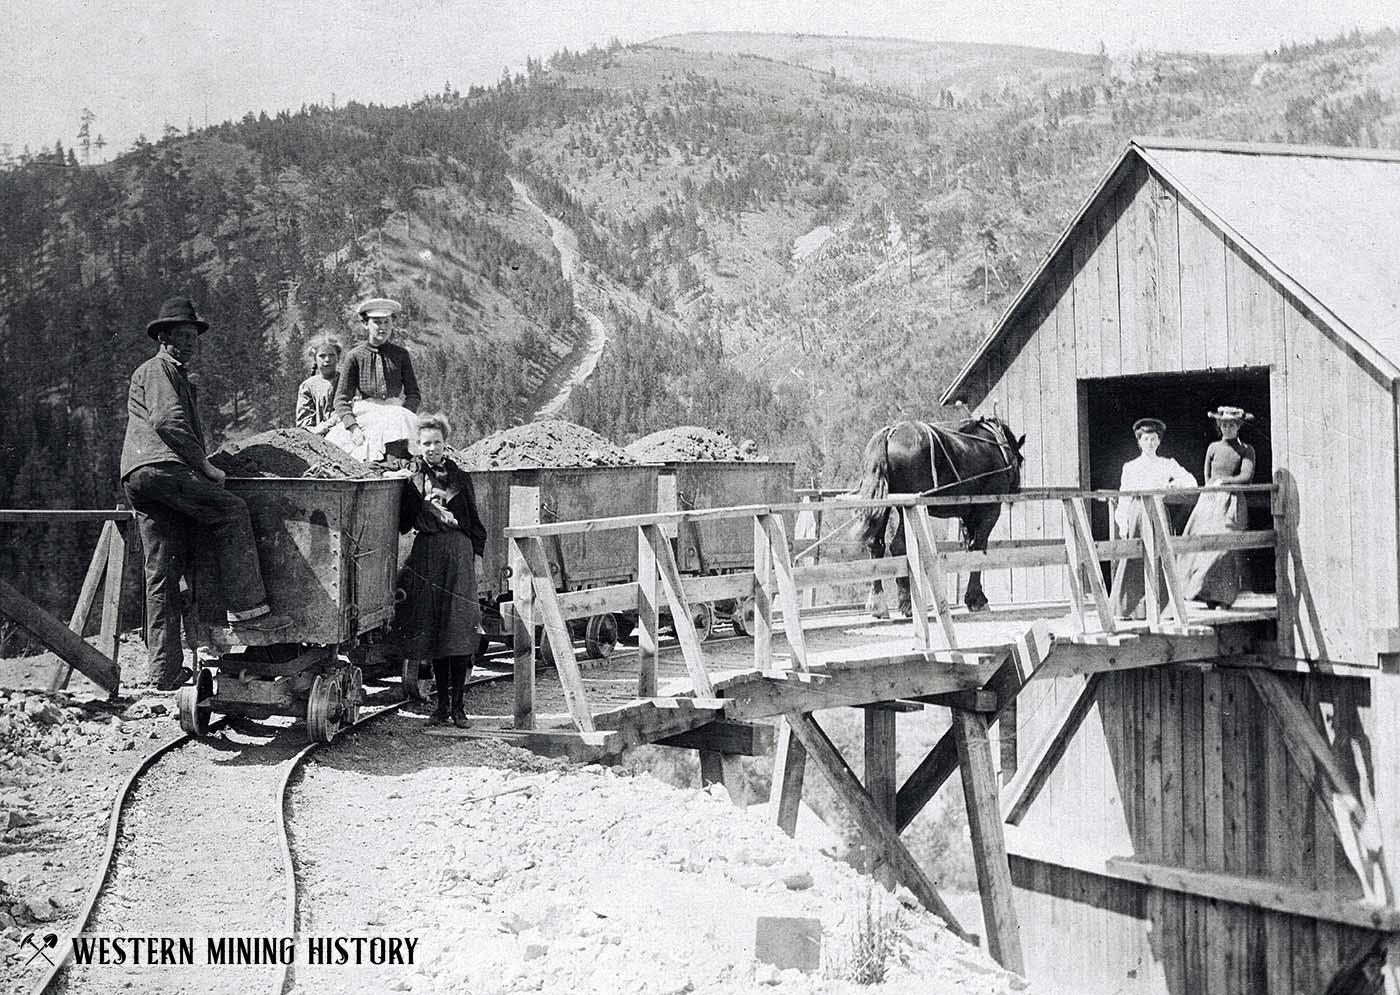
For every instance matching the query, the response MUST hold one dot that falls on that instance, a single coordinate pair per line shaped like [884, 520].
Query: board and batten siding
[1185, 769]
[1146, 284]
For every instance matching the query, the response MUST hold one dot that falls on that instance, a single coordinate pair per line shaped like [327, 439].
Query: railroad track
[175, 865]
[181, 861]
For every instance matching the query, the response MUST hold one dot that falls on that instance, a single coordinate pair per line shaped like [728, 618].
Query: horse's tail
[874, 485]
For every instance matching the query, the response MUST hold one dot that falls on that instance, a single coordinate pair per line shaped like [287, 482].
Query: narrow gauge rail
[157, 825]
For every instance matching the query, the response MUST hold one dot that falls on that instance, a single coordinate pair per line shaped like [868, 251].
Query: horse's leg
[978, 525]
[875, 602]
[898, 548]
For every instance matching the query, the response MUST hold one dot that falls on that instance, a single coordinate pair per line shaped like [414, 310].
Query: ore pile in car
[290, 452]
[684, 443]
[551, 443]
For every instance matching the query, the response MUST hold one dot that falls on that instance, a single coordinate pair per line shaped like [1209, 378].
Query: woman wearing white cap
[377, 397]
[1217, 577]
[1147, 472]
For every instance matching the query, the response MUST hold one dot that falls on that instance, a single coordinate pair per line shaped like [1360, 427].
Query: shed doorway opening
[1108, 407]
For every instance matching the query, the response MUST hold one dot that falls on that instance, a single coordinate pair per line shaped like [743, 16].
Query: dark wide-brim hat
[1149, 425]
[177, 311]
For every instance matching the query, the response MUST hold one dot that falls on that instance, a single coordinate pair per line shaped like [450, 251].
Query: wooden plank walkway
[849, 654]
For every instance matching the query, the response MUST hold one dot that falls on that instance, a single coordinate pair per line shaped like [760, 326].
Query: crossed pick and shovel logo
[41, 944]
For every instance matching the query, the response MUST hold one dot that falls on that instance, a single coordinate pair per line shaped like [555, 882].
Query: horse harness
[1000, 440]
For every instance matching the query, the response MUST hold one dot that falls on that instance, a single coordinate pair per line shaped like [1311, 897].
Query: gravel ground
[198, 855]
[62, 759]
[521, 874]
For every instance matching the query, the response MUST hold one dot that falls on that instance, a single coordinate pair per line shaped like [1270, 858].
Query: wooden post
[880, 757]
[807, 529]
[780, 562]
[97, 567]
[880, 778]
[868, 818]
[557, 632]
[1075, 575]
[988, 842]
[58, 637]
[1028, 653]
[524, 510]
[789, 771]
[1077, 523]
[1151, 565]
[933, 565]
[110, 639]
[762, 597]
[681, 622]
[711, 770]
[920, 577]
[1171, 569]
[648, 617]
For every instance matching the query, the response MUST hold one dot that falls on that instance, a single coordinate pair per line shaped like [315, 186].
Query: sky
[142, 64]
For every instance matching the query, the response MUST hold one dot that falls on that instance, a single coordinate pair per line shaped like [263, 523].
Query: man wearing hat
[173, 488]
[1147, 472]
[374, 374]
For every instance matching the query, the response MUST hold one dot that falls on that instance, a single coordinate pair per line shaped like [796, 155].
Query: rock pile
[609, 884]
[542, 444]
[684, 443]
[48, 726]
[289, 452]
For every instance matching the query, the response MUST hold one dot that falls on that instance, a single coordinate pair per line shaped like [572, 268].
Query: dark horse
[980, 456]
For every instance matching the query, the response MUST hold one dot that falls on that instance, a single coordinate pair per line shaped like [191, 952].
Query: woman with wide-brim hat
[1216, 577]
[377, 396]
[1148, 471]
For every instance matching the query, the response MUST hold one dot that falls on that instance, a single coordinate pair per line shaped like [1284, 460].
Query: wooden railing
[104, 573]
[776, 581]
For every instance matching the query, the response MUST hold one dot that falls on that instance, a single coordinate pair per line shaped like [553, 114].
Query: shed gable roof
[1324, 223]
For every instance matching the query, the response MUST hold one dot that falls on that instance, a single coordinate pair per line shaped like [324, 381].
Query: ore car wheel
[702, 616]
[742, 617]
[354, 693]
[417, 685]
[194, 717]
[324, 707]
[600, 637]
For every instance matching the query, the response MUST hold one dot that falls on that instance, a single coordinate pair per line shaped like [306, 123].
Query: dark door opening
[1109, 407]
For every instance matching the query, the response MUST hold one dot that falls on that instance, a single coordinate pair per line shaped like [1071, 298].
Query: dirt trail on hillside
[560, 384]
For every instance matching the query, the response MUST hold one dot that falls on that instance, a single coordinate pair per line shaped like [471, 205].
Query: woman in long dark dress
[440, 618]
[1217, 577]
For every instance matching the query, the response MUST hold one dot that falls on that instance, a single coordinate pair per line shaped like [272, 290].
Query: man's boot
[461, 670]
[441, 674]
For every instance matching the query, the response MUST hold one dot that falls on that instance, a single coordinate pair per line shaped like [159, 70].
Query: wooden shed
[1233, 826]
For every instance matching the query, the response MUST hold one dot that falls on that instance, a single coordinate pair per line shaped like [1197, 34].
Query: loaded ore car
[329, 553]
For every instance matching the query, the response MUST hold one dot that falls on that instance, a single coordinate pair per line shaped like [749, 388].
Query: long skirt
[1214, 576]
[381, 424]
[1130, 588]
[439, 615]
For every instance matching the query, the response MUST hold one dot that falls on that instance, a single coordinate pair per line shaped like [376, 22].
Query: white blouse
[1148, 473]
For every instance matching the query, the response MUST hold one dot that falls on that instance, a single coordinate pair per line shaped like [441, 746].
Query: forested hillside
[799, 253]
[274, 225]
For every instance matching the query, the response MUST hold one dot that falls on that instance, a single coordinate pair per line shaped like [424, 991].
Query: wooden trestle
[717, 711]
